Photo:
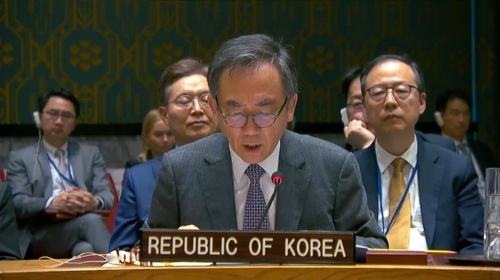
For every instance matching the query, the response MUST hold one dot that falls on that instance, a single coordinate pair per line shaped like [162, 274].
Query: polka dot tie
[255, 205]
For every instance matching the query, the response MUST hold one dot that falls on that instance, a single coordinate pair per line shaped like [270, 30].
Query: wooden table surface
[34, 269]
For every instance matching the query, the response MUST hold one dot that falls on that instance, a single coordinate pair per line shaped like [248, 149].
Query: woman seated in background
[156, 138]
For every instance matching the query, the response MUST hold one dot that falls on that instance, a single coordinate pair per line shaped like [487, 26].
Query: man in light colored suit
[223, 181]
[62, 176]
[9, 243]
[424, 195]
[184, 96]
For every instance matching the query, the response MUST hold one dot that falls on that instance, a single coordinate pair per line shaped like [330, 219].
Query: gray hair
[252, 51]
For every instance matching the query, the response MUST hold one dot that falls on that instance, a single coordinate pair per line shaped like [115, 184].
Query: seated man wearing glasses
[423, 195]
[357, 132]
[223, 182]
[63, 176]
[184, 93]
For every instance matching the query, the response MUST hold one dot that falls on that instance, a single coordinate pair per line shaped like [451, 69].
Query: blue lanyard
[396, 212]
[70, 180]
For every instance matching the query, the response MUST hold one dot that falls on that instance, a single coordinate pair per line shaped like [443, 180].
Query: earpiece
[36, 118]
[344, 117]
[439, 118]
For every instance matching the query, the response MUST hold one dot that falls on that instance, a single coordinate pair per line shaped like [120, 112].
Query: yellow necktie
[399, 232]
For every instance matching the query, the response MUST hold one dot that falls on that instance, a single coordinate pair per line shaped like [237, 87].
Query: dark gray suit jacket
[9, 244]
[322, 189]
[30, 194]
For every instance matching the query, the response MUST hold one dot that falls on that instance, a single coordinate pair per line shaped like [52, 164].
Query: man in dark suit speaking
[223, 182]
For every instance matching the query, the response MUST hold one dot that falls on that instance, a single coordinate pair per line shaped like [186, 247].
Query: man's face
[392, 113]
[250, 91]
[456, 119]
[355, 109]
[188, 113]
[58, 119]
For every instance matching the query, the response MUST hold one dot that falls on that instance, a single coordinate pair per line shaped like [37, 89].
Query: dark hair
[443, 99]
[181, 69]
[349, 76]
[44, 99]
[419, 77]
[252, 51]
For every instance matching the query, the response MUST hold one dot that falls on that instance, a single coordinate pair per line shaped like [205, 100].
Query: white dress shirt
[384, 160]
[59, 185]
[242, 184]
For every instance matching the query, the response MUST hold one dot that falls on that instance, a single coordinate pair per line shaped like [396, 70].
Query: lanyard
[396, 212]
[70, 180]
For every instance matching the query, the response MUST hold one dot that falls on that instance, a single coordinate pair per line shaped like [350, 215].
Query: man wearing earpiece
[357, 133]
[63, 176]
[453, 116]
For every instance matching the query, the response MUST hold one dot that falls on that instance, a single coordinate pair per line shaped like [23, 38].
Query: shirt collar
[270, 164]
[385, 159]
[52, 150]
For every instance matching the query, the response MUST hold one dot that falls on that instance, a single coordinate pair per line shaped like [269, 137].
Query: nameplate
[248, 246]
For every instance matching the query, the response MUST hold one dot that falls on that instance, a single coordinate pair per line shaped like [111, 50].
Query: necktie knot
[462, 149]
[254, 172]
[59, 153]
[399, 164]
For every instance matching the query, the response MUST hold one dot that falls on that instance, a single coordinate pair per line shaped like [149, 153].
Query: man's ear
[213, 104]
[163, 115]
[422, 100]
[291, 107]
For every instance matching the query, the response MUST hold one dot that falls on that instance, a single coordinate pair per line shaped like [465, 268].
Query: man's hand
[189, 227]
[357, 135]
[84, 198]
[65, 203]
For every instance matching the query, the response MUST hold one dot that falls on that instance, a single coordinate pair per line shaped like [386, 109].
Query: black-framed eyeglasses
[54, 115]
[186, 101]
[262, 120]
[400, 91]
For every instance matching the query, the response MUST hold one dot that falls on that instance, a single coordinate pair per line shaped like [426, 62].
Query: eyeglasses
[54, 115]
[262, 120]
[400, 91]
[187, 101]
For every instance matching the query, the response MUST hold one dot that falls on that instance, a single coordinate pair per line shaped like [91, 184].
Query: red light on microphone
[277, 178]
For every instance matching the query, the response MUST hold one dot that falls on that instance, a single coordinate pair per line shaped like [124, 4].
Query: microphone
[277, 179]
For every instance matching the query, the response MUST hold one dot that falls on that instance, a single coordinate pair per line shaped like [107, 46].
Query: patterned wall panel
[487, 81]
[111, 53]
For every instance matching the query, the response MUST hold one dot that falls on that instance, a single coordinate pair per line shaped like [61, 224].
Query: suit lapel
[76, 164]
[290, 196]
[368, 166]
[44, 178]
[430, 176]
[216, 183]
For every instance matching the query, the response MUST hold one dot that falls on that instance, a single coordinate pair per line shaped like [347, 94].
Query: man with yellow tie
[424, 196]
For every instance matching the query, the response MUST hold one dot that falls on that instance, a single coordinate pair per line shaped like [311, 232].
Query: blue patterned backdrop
[110, 53]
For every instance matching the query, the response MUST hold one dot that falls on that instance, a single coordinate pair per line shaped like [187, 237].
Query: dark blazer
[483, 154]
[452, 212]
[135, 201]
[9, 243]
[321, 190]
[439, 140]
[30, 194]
